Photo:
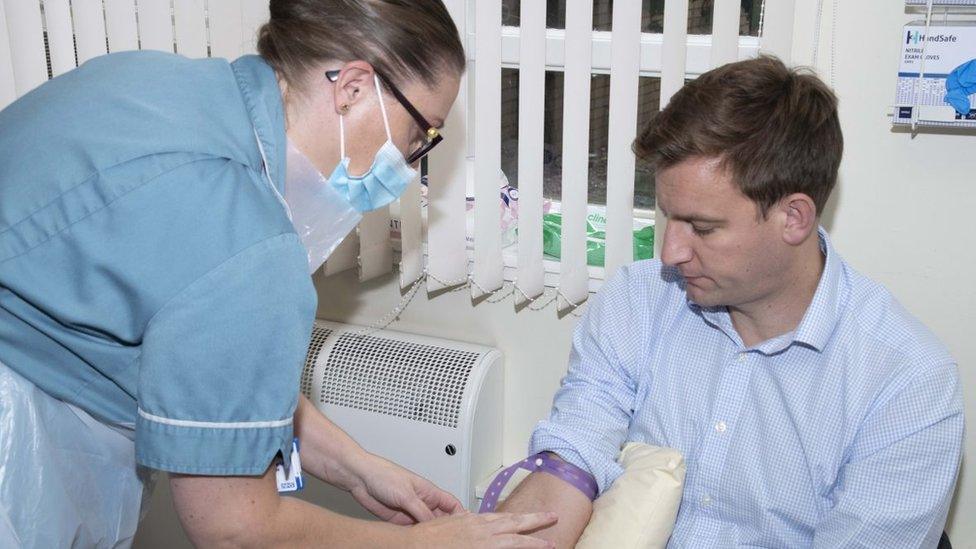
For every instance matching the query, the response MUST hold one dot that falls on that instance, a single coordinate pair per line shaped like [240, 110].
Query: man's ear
[354, 82]
[801, 218]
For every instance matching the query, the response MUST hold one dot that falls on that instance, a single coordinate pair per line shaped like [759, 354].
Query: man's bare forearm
[545, 492]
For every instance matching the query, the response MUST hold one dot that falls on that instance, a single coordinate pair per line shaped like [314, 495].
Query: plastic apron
[66, 479]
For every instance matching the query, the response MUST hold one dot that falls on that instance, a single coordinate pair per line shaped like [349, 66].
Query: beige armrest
[639, 510]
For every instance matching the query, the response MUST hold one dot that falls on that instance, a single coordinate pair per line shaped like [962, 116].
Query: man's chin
[700, 296]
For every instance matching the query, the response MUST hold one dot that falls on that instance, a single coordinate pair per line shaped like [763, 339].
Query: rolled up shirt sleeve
[592, 410]
[221, 363]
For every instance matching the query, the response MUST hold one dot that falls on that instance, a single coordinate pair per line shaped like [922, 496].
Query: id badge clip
[290, 481]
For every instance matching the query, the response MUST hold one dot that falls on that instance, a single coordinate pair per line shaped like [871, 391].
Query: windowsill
[510, 268]
[551, 267]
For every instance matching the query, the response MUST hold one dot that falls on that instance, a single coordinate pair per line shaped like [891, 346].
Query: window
[648, 100]
[649, 91]
[568, 53]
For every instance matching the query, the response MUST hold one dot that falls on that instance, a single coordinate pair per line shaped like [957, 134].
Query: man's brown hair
[775, 129]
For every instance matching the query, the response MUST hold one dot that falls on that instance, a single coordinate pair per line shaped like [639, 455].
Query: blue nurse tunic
[148, 273]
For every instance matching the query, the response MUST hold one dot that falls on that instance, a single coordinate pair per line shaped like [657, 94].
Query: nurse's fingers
[418, 509]
[439, 500]
[451, 504]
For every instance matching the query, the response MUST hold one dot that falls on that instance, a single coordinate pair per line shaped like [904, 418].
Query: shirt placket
[720, 428]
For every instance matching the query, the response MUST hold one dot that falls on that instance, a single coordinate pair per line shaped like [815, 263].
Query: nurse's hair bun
[402, 39]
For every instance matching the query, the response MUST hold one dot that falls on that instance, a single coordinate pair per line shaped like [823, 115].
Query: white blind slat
[777, 36]
[60, 35]
[673, 66]
[487, 274]
[725, 32]
[411, 236]
[447, 262]
[25, 31]
[624, 82]
[573, 273]
[532, 80]
[120, 24]
[191, 27]
[375, 250]
[8, 92]
[226, 29]
[254, 14]
[674, 51]
[89, 20]
[155, 25]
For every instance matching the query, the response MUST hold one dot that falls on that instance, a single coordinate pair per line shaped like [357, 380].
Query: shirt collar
[818, 321]
[262, 97]
[824, 311]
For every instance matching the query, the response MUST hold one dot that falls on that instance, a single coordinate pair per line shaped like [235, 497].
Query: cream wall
[903, 215]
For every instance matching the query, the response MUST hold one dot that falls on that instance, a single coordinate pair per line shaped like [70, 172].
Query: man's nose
[675, 249]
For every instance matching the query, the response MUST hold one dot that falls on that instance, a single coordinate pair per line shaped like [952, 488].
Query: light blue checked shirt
[846, 432]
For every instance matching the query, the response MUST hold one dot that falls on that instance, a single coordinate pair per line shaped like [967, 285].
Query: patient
[811, 408]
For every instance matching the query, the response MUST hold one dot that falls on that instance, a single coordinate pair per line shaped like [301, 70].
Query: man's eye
[702, 231]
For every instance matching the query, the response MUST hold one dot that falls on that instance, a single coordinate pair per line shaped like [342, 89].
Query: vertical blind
[439, 247]
[78, 30]
[673, 56]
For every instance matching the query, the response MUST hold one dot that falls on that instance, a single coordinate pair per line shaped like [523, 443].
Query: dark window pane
[648, 105]
[648, 101]
[700, 16]
[652, 17]
[510, 12]
[555, 12]
[510, 123]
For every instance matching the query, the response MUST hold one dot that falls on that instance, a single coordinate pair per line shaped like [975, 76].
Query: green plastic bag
[596, 239]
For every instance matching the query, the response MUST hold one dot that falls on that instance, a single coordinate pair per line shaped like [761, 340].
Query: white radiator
[431, 405]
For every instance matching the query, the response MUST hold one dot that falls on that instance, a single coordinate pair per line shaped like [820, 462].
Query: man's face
[726, 252]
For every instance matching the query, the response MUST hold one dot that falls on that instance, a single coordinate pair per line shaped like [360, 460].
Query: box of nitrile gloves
[945, 48]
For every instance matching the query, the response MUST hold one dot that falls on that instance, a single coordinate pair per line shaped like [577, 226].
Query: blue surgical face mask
[385, 180]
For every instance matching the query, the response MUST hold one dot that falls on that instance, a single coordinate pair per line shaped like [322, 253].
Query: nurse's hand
[383, 488]
[491, 530]
[396, 495]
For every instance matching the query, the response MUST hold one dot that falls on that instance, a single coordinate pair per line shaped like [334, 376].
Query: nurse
[159, 218]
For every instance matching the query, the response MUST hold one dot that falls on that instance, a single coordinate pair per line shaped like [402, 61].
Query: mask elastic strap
[379, 93]
[342, 139]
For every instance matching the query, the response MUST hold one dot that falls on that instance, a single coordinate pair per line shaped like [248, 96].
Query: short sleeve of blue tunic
[148, 273]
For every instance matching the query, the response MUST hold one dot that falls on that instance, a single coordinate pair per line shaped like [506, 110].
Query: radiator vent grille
[319, 335]
[410, 380]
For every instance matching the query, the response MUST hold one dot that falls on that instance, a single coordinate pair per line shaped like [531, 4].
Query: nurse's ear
[354, 82]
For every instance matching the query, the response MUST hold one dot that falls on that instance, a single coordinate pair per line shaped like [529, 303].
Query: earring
[344, 109]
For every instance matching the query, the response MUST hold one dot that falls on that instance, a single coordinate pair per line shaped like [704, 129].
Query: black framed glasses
[432, 136]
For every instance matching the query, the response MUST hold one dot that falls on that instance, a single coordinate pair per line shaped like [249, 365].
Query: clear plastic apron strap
[267, 175]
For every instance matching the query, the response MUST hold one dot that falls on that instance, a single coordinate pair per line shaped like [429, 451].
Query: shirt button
[721, 427]
[706, 500]
[742, 357]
